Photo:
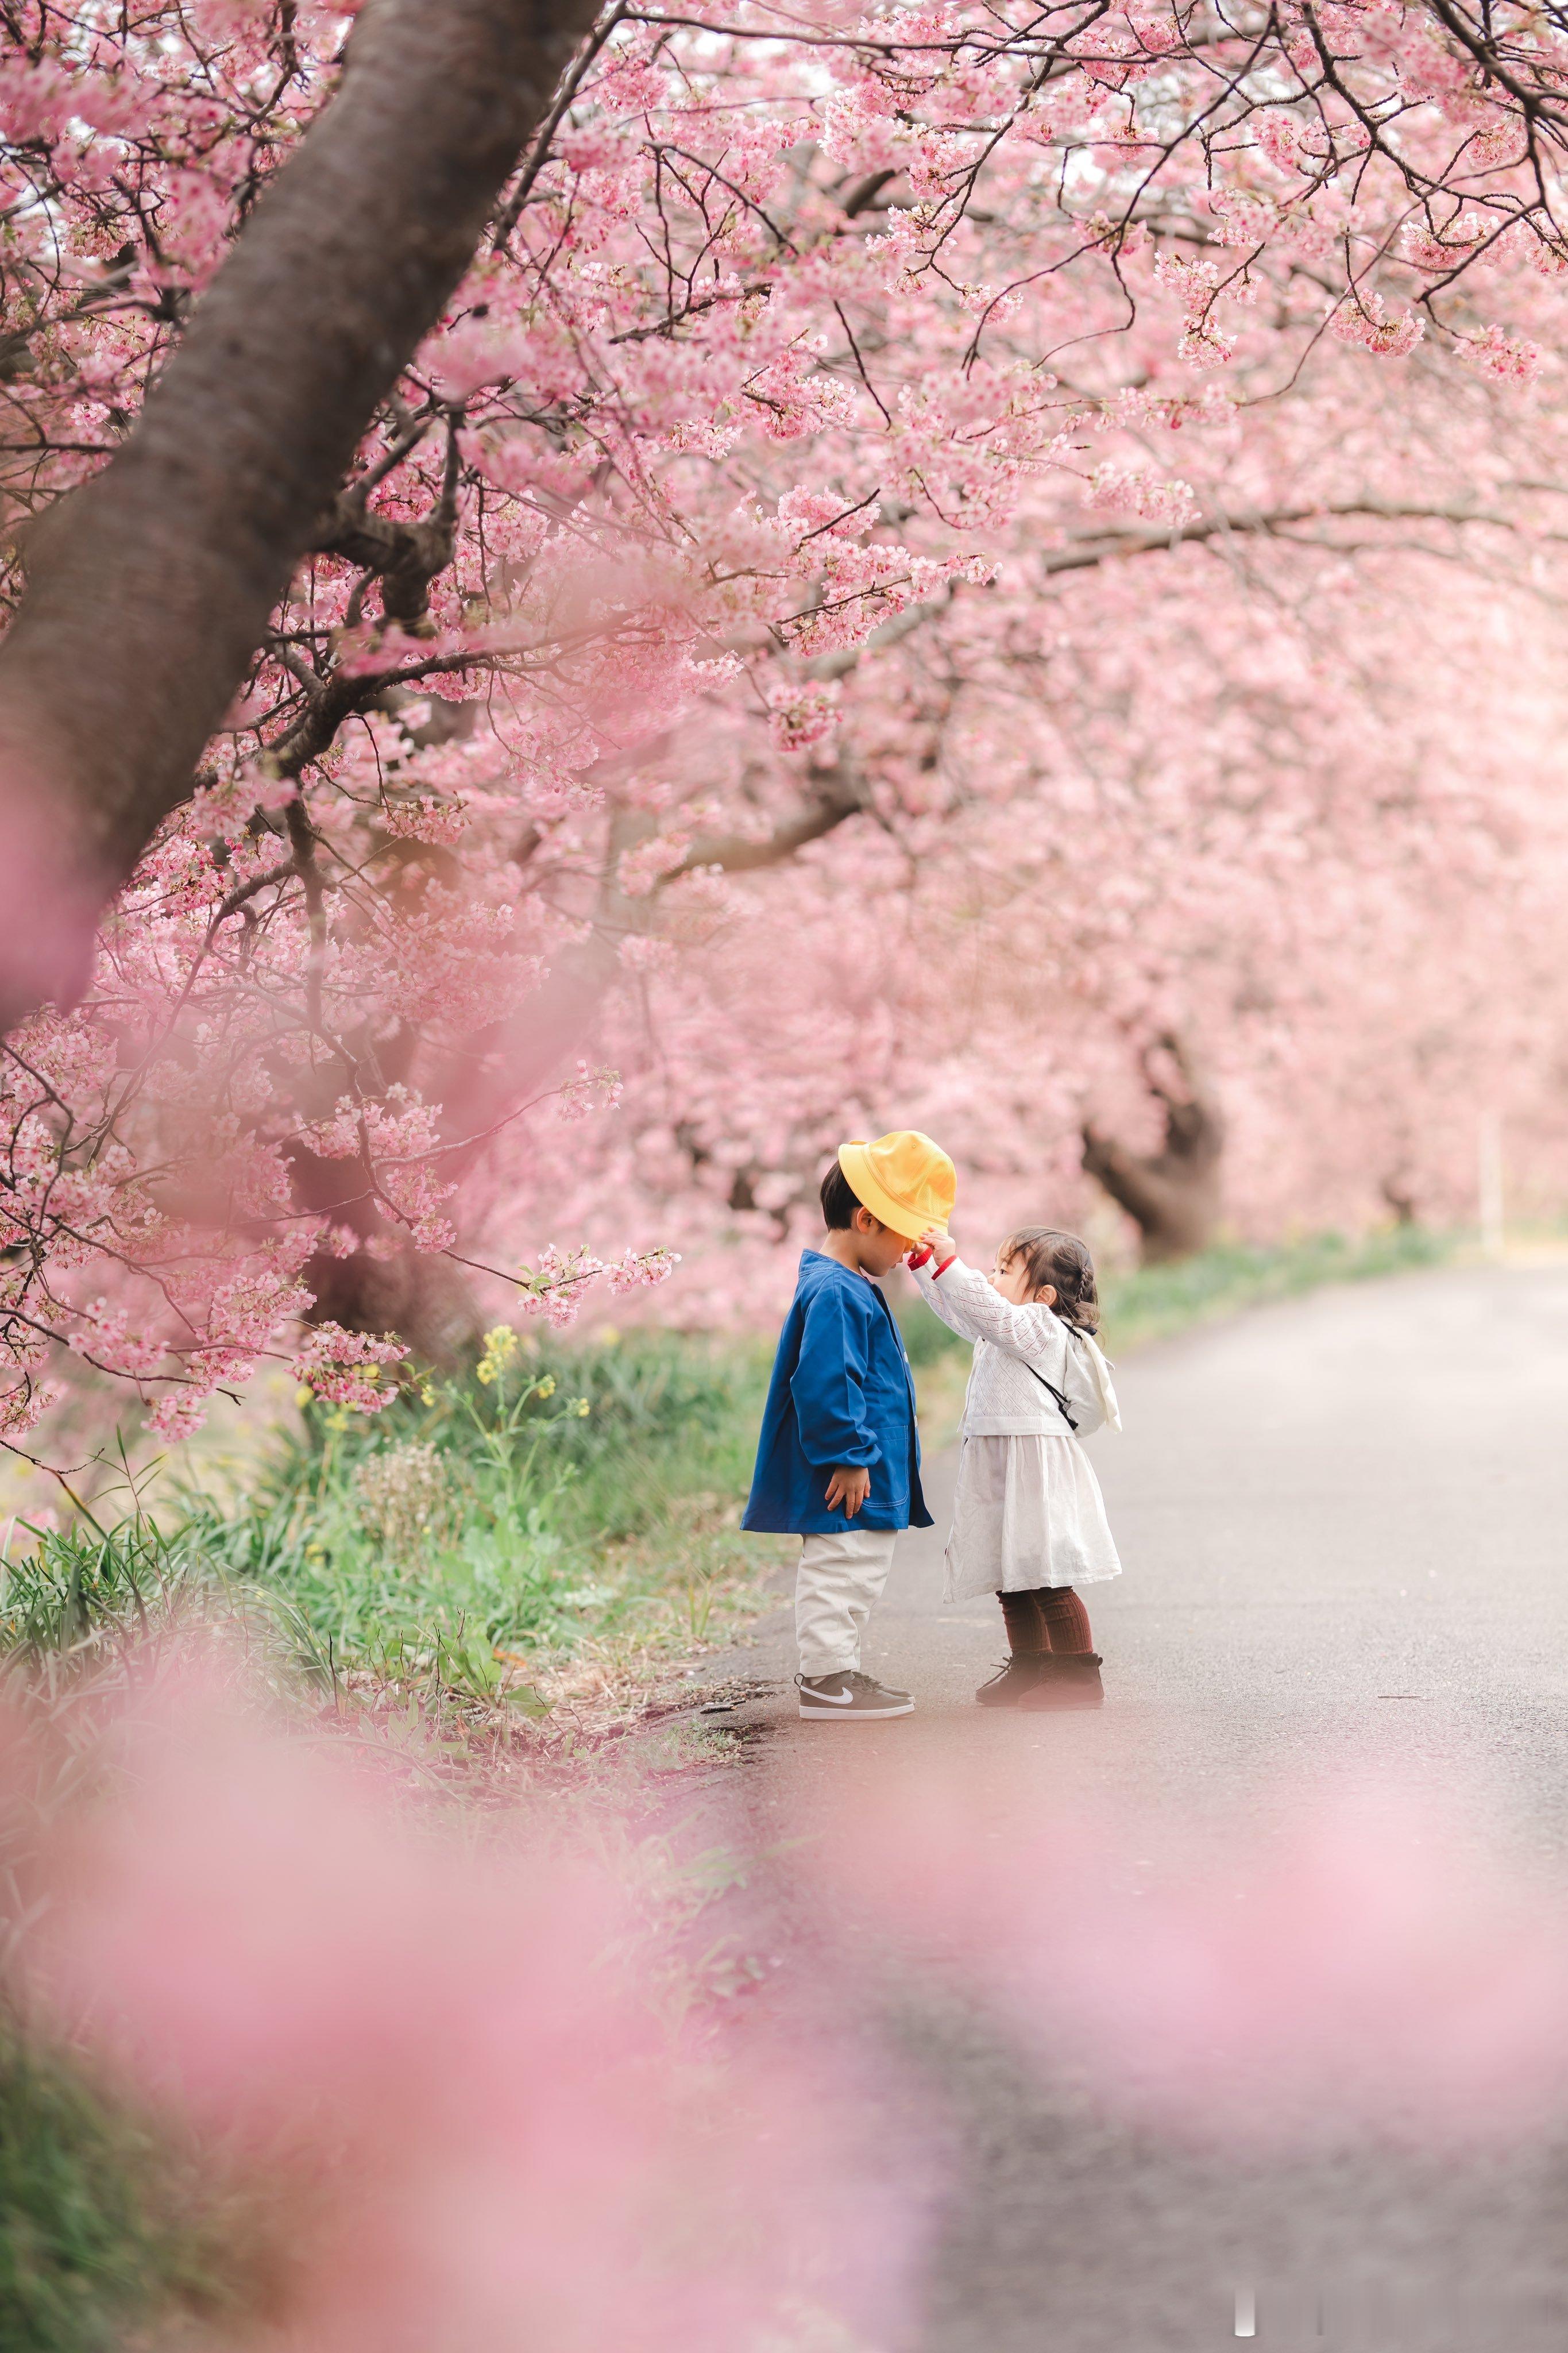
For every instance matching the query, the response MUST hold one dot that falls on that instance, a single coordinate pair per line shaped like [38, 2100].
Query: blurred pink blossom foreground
[466, 2029]
[1363, 1972]
[458, 2034]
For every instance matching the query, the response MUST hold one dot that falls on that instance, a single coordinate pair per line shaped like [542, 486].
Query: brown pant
[1045, 1617]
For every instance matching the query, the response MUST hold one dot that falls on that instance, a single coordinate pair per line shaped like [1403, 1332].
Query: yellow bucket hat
[904, 1179]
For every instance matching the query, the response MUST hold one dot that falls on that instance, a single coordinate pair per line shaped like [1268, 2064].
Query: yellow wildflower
[547, 1386]
[500, 1348]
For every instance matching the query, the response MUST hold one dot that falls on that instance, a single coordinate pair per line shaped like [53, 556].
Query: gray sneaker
[855, 1697]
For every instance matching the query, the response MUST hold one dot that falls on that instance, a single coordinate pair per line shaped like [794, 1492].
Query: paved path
[1344, 1522]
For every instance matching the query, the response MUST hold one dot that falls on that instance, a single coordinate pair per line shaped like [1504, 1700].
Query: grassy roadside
[1150, 1302]
[548, 1535]
[554, 1529]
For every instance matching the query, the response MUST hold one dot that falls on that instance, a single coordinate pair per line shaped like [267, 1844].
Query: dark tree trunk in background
[1172, 1196]
[150, 588]
[1401, 1200]
[424, 1298]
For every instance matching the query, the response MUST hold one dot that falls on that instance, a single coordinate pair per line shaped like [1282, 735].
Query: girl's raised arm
[965, 1301]
[938, 1300]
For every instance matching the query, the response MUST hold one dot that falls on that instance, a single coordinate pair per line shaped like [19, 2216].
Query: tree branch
[842, 796]
[1082, 554]
[405, 557]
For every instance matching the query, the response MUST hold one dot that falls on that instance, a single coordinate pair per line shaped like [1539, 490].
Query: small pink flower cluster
[1245, 216]
[1360, 320]
[441, 823]
[803, 714]
[102, 1337]
[1206, 344]
[555, 1288]
[590, 1091]
[1504, 358]
[343, 1368]
[1139, 491]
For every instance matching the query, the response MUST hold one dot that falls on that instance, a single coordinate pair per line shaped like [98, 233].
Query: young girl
[1029, 1520]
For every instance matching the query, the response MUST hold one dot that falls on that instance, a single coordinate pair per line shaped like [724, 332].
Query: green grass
[474, 1539]
[104, 2219]
[571, 1499]
[1152, 1301]
[476, 1536]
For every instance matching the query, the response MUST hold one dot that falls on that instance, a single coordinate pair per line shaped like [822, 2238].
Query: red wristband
[920, 1257]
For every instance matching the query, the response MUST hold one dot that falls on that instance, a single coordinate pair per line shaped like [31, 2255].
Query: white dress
[1027, 1511]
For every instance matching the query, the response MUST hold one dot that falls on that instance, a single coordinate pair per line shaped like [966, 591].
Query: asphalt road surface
[1345, 1528]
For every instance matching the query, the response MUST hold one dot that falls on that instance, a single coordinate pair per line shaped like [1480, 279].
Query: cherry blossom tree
[790, 362]
[1317, 857]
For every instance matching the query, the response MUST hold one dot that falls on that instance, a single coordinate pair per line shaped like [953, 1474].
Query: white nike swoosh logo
[834, 1698]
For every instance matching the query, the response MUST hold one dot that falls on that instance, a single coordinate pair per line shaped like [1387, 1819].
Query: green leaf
[528, 1699]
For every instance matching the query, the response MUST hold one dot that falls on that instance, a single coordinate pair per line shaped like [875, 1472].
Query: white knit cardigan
[1011, 1346]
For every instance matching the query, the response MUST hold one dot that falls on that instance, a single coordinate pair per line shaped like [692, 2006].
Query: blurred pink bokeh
[524, 2135]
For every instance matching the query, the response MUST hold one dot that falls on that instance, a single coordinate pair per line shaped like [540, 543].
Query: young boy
[838, 1458]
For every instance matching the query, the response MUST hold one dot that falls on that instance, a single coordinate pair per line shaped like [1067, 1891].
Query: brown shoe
[1015, 1677]
[1070, 1679]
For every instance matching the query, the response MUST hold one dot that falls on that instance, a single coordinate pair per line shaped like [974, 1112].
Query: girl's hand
[938, 1238]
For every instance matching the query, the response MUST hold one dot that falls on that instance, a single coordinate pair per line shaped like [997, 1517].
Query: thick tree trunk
[1172, 1196]
[150, 588]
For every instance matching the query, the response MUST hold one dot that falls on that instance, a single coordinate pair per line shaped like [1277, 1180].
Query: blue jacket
[842, 1392]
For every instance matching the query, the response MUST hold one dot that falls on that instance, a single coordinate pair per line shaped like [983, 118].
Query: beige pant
[838, 1579]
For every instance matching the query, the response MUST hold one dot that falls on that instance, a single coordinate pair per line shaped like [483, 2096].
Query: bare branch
[842, 796]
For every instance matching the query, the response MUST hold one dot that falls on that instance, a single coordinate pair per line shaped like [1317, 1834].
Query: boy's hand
[847, 1490]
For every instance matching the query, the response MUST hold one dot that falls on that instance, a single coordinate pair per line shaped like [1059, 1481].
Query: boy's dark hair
[1062, 1260]
[838, 1203]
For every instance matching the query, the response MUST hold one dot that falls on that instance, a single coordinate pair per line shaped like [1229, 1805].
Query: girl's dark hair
[838, 1203]
[1062, 1260]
